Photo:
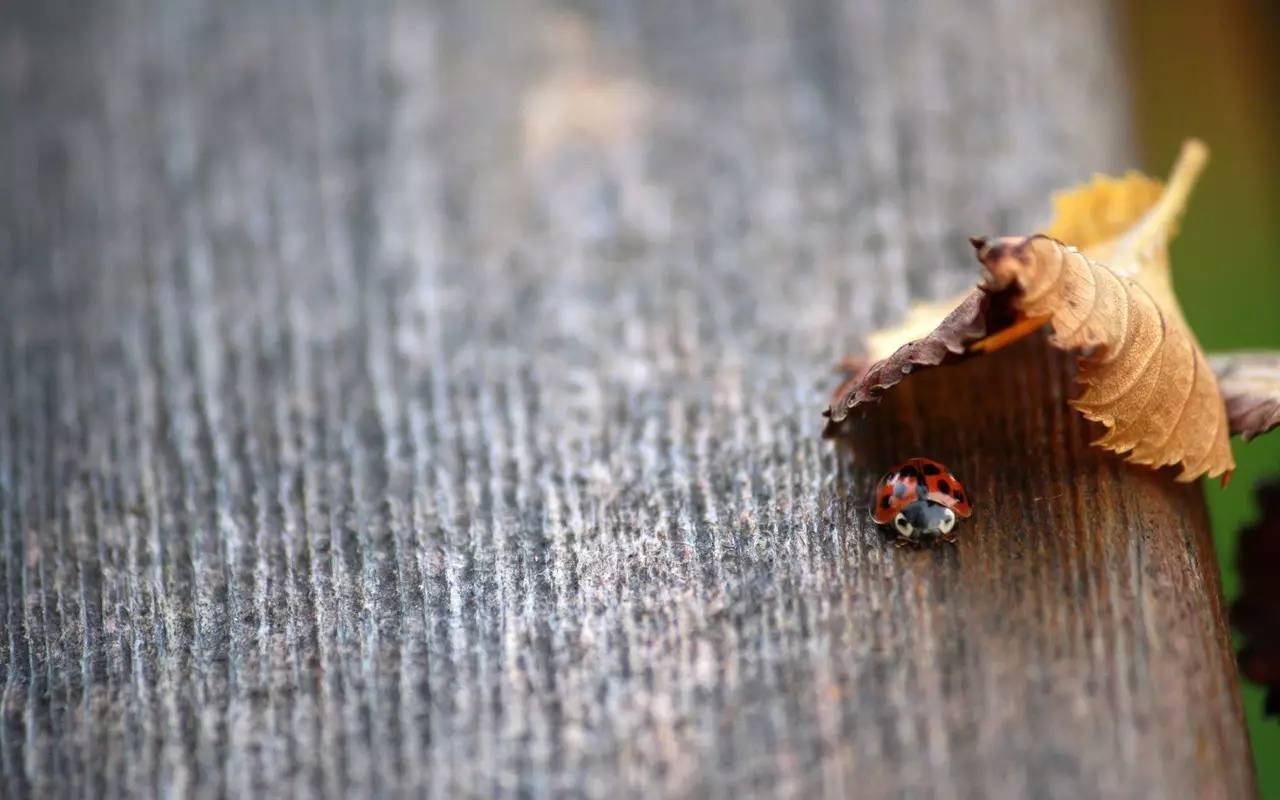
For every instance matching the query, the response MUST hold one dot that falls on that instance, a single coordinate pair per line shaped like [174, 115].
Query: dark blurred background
[1212, 70]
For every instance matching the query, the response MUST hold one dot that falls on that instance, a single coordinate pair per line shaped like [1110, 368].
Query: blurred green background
[1212, 70]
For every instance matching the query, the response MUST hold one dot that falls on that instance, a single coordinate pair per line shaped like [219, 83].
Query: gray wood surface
[425, 398]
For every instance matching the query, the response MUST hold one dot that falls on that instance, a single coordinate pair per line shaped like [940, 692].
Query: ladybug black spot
[909, 472]
[884, 501]
[960, 496]
[931, 469]
[944, 487]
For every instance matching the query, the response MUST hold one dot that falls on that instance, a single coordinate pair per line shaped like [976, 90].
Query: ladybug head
[924, 518]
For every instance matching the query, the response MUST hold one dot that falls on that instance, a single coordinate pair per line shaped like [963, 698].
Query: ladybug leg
[913, 541]
[950, 538]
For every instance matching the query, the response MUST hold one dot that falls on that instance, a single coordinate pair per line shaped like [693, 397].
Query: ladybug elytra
[921, 499]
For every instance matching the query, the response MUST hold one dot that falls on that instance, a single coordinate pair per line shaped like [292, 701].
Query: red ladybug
[922, 499]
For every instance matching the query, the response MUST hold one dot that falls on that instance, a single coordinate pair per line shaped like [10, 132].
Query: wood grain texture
[406, 399]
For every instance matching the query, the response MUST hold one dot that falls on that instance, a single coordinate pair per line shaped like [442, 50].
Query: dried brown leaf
[921, 322]
[1250, 384]
[946, 342]
[1107, 293]
[1144, 375]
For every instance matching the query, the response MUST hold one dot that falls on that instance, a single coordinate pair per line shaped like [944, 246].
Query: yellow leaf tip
[1186, 171]
[1194, 151]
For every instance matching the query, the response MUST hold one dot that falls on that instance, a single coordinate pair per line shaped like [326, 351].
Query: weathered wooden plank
[424, 398]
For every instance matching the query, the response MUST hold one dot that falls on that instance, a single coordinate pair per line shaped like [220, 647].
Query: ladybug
[921, 499]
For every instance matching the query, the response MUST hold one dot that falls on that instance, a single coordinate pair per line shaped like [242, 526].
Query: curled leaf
[1144, 375]
[946, 342]
[1250, 384]
[962, 314]
[1101, 280]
